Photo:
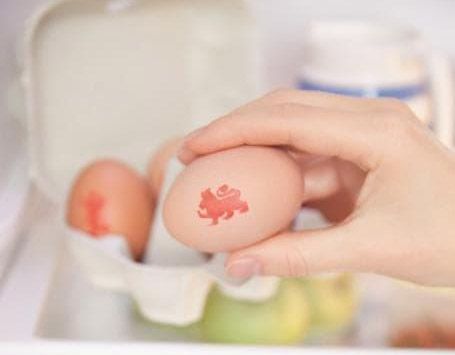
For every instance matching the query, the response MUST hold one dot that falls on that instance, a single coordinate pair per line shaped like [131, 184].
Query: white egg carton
[184, 276]
[13, 197]
[116, 78]
[13, 188]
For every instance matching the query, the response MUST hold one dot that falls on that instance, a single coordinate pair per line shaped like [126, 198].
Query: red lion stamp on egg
[221, 204]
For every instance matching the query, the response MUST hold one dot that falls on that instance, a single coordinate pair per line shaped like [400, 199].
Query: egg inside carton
[115, 79]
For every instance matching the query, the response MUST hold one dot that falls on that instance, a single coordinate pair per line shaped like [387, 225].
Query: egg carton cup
[172, 284]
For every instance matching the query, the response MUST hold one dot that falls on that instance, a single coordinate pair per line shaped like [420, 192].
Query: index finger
[323, 131]
[318, 99]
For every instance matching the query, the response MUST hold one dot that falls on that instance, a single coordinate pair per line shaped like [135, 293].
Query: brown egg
[109, 197]
[157, 166]
[234, 198]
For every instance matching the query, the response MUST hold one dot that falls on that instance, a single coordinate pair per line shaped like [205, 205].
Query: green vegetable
[284, 319]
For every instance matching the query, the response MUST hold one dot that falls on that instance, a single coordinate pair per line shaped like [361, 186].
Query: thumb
[292, 254]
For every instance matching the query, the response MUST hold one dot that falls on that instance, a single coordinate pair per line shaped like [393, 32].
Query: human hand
[332, 185]
[402, 223]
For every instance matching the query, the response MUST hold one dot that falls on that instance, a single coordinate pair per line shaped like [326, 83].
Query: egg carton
[115, 78]
[13, 210]
[14, 184]
[14, 188]
[172, 284]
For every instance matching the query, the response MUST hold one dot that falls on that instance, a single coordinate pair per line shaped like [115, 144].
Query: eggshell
[109, 197]
[157, 165]
[233, 198]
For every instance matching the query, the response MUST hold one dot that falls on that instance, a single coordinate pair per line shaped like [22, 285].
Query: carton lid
[116, 78]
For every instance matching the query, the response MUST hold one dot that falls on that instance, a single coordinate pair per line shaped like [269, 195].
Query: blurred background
[283, 24]
[390, 48]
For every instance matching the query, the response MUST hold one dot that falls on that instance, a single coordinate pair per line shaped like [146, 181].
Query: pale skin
[372, 152]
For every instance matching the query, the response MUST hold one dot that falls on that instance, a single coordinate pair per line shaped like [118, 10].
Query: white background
[282, 21]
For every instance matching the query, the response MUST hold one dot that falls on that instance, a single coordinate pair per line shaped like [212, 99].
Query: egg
[109, 197]
[157, 166]
[234, 198]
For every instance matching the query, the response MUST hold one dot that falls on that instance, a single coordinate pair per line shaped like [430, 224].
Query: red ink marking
[222, 204]
[94, 205]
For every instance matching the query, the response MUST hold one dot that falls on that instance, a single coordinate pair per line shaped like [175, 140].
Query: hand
[403, 220]
[332, 185]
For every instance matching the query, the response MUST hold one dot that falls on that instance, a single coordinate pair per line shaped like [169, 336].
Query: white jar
[371, 59]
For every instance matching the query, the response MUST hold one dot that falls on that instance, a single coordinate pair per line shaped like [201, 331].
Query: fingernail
[244, 267]
[185, 155]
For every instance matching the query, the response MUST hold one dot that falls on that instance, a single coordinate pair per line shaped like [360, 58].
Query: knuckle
[296, 263]
[390, 103]
[287, 110]
[392, 124]
[396, 106]
[394, 134]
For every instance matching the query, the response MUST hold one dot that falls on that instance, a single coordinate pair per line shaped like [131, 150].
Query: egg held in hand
[234, 198]
[109, 197]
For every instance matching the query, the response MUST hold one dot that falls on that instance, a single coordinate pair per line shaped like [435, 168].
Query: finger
[321, 178]
[316, 99]
[299, 254]
[332, 186]
[324, 176]
[348, 135]
[351, 177]
[336, 207]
